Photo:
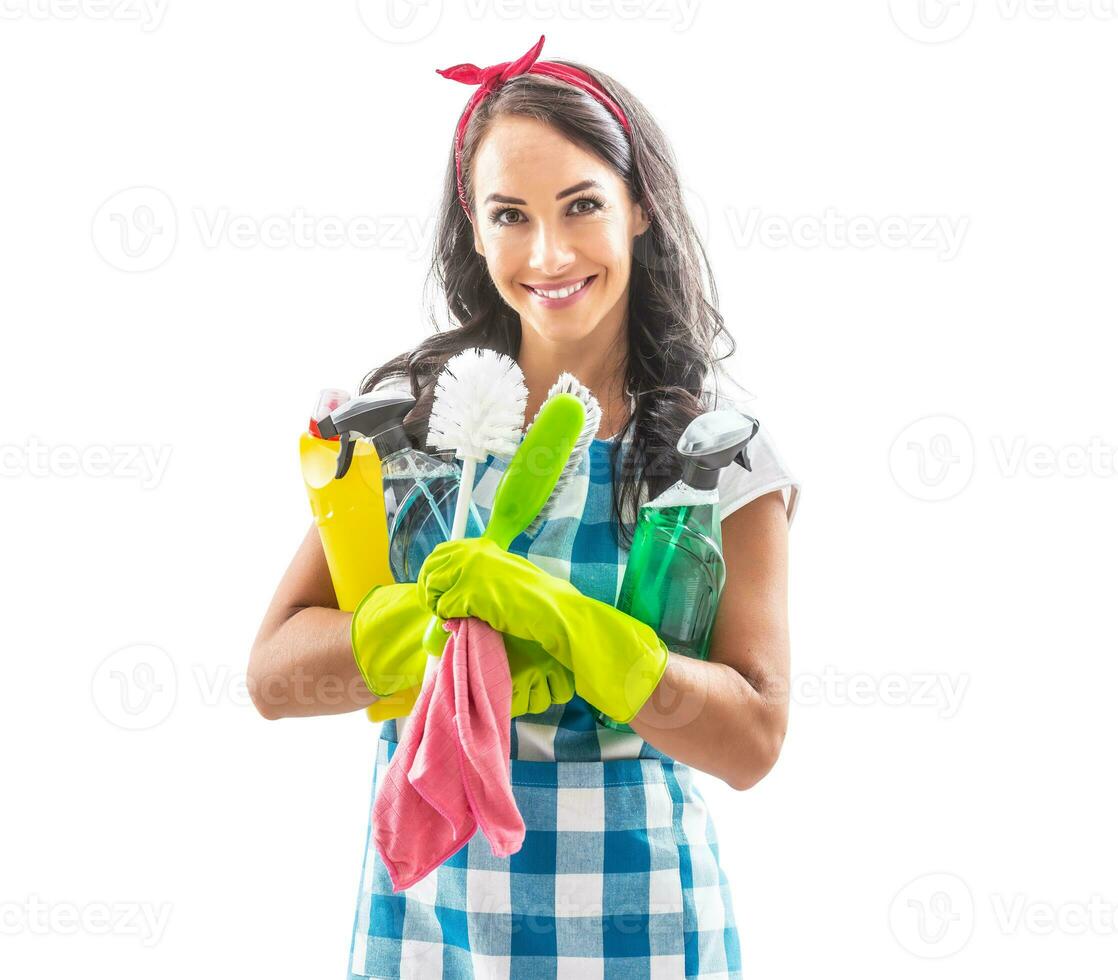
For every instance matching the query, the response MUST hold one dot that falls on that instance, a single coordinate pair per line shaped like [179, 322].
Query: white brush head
[567, 382]
[478, 408]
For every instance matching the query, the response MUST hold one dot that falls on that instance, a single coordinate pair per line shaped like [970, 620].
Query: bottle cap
[378, 415]
[328, 400]
[711, 442]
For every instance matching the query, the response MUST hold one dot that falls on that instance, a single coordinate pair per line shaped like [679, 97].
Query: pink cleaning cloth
[451, 771]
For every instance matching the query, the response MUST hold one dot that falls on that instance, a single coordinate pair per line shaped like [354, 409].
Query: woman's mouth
[557, 298]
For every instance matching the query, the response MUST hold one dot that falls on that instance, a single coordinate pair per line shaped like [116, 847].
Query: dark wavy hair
[673, 320]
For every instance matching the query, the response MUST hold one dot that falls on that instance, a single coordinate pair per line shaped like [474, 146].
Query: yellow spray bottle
[349, 513]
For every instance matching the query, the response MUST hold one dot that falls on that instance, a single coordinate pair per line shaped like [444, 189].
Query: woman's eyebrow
[578, 187]
[583, 185]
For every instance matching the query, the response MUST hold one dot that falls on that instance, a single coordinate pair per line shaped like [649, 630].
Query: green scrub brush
[568, 383]
[539, 471]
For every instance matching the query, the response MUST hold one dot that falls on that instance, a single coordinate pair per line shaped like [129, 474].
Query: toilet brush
[478, 411]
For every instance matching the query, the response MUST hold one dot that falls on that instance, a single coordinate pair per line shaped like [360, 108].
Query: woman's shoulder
[768, 470]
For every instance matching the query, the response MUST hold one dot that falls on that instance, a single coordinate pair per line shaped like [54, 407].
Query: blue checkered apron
[618, 877]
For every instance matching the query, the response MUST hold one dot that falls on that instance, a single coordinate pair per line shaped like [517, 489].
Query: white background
[911, 217]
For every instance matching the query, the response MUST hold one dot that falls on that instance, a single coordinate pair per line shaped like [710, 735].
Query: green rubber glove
[386, 635]
[617, 661]
[538, 679]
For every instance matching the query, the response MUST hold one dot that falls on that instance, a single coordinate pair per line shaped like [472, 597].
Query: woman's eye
[498, 216]
[593, 202]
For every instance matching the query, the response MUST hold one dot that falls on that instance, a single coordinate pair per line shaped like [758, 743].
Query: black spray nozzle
[712, 442]
[378, 415]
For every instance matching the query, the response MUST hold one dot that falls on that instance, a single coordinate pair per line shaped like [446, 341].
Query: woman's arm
[302, 661]
[728, 716]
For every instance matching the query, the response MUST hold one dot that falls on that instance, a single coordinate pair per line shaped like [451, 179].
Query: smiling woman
[560, 174]
[563, 243]
[561, 260]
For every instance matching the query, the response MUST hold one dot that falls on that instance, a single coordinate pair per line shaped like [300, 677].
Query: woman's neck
[598, 364]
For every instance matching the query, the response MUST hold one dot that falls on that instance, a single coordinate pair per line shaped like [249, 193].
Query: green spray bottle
[675, 573]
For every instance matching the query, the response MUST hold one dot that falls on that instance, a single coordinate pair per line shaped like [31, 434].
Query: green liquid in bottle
[674, 578]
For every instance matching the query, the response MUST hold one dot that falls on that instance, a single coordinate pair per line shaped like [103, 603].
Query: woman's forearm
[305, 667]
[709, 716]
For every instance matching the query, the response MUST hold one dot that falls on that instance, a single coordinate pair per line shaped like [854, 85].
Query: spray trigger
[345, 453]
[743, 455]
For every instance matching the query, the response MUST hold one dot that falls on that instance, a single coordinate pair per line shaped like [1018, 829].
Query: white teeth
[561, 293]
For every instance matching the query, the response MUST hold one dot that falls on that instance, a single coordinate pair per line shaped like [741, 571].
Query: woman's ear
[479, 246]
[643, 222]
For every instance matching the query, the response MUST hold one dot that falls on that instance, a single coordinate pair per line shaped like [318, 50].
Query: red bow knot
[494, 76]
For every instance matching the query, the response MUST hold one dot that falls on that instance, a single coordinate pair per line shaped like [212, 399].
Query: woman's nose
[551, 252]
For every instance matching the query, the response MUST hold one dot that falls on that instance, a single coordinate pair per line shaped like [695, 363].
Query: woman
[563, 242]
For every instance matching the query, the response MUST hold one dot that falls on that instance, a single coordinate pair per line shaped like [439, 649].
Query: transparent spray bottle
[675, 573]
[420, 490]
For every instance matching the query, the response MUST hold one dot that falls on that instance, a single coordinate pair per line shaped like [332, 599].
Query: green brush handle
[535, 468]
[525, 486]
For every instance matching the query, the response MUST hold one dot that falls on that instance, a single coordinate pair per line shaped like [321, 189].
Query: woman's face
[548, 215]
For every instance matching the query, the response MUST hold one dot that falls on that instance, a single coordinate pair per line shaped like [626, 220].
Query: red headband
[492, 78]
